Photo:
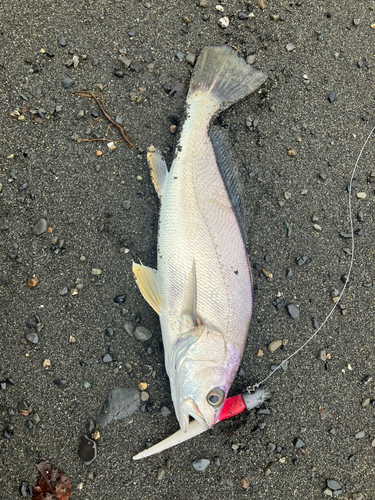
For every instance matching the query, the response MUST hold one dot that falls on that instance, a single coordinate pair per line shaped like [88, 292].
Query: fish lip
[189, 407]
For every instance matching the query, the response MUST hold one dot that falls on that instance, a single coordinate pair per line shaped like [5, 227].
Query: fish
[202, 288]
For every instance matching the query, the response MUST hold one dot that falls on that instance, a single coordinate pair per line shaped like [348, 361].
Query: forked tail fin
[224, 75]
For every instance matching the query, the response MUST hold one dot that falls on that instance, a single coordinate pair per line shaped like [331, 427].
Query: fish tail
[225, 76]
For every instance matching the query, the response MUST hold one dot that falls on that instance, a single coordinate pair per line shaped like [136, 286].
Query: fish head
[204, 368]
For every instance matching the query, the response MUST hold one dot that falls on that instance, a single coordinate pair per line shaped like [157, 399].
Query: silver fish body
[202, 288]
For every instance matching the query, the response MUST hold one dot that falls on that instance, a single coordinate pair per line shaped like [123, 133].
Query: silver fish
[202, 289]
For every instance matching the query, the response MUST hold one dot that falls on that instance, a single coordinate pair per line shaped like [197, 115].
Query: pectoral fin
[189, 308]
[149, 285]
[158, 168]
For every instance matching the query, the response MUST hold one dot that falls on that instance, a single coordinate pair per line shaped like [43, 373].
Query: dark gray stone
[293, 311]
[40, 227]
[62, 40]
[298, 443]
[120, 403]
[67, 82]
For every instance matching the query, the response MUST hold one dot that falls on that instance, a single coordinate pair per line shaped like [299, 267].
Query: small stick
[84, 93]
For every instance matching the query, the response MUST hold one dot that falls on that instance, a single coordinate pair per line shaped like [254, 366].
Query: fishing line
[255, 386]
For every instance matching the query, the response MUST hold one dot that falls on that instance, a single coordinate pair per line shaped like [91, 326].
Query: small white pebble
[350, 367]
[361, 196]
[139, 178]
[223, 22]
[219, 8]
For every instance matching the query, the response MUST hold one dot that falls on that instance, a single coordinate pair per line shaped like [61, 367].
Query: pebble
[32, 338]
[360, 216]
[332, 96]
[96, 272]
[190, 58]
[201, 465]
[298, 443]
[223, 22]
[288, 272]
[144, 396]
[317, 228]
[165, 412]
[87, 450]
[361, 196]
[161, 473]
[86, 384]
[289, 47]
[346, 236]
[120, 403]
[119, 73]
[245, 483]
[67, 82]
[180, 56]
[274, 345]
[293, 311]
[131, 33]
[40, 227]
[243, 16]
[107, 358]
[119, 120]
[62, 40]
[143, 334]
[302, 260]
[333, 484]
[80, 114]
[26, 489]
[328, 492]
[322, 355]
[357, 496]
[360, 435]
[261, 4]
[109, 332]
[263, 410]
[119, 299]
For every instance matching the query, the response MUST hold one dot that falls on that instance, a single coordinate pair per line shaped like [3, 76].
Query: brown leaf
[51, 483]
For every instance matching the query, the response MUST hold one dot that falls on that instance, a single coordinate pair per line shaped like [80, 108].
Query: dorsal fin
[228, 173]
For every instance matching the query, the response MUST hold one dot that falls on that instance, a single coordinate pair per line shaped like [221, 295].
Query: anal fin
[158, 168]
[149, 285]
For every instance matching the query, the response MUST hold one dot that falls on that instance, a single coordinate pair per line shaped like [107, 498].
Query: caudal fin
[225, 75]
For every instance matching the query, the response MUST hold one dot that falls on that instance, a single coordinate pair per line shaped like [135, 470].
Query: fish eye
[215, 397]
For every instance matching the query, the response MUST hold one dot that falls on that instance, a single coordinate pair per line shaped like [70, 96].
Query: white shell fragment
[223, 22]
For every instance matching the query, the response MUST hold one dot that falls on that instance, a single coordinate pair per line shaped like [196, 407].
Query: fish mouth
[188, 408]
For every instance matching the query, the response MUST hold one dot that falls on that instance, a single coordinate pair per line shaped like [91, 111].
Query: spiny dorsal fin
[228, 172]
[149, 285]
[189, 301]
[158, 168]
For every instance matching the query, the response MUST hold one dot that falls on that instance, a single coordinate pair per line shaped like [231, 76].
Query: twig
[84, 93]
